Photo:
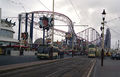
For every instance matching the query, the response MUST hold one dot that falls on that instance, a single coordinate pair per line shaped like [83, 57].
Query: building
[108, 39]
[6, 35]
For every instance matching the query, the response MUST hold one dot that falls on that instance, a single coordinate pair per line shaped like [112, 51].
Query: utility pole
[102, 35]
[53, 24]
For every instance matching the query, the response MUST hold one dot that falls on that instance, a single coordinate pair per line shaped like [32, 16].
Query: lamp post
[102, 35]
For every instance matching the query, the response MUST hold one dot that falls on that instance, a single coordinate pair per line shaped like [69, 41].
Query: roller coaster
[89, 35]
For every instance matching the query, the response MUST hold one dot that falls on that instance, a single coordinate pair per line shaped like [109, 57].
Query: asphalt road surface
[6, 60]
[72, 67]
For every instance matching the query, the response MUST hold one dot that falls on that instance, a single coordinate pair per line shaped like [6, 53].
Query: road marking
[95, 68]
[89, 73]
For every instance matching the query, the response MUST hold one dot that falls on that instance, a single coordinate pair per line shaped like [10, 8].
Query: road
[111, 68]
[6, 60]
[73, 67]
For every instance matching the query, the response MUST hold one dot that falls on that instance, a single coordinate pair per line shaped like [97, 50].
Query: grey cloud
[64, 6]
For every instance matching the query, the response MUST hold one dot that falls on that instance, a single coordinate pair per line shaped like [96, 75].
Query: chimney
[0, 16]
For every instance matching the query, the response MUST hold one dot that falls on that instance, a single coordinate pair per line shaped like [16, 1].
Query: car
[117, 56]
[113, 56]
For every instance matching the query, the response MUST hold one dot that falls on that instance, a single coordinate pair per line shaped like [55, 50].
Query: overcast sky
[88, 12]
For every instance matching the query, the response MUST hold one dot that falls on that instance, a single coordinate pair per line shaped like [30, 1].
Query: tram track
[60, 68]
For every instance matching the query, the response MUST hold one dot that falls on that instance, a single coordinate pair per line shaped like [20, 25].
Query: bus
[92, 51]
[47, 52]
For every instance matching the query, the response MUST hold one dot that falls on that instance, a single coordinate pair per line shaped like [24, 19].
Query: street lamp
[102, 35]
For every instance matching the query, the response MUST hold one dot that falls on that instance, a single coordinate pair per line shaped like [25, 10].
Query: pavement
[111, 68]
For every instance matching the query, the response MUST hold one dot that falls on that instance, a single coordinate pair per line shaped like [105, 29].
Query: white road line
[89, 73]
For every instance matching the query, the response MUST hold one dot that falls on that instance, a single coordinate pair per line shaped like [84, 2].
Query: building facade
[6, 35]
[108, 39]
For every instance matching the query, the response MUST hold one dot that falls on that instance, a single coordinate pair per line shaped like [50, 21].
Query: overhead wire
[112, 29]
[74, 9]
[113, 19]
[22, 5]
[19, 3]
[44, 5]
[12, 1]
[25, 9]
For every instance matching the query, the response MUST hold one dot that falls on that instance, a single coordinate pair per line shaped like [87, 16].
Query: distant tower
[108, 39]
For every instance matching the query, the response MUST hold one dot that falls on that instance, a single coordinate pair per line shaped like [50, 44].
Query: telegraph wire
[74, 9]
[112, 29]
[22, 5]
[43, 5]
[19, 3]
[113, 19]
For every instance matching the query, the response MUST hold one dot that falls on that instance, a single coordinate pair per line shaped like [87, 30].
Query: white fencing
[29, 53]
[15, 53]
[25, 53]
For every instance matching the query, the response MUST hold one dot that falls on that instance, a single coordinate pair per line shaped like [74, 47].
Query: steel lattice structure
[57, 16]
[32, 18]
[90, 35]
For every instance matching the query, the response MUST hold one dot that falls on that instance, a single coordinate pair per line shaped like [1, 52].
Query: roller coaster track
[90, 34]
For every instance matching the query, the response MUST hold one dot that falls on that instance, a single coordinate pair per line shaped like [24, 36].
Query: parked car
[117, 56]
[113, 56]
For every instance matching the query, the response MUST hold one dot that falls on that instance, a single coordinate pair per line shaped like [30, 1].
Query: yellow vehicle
[98, 52]
[108, 53]
[92, 51]
[47, 52]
